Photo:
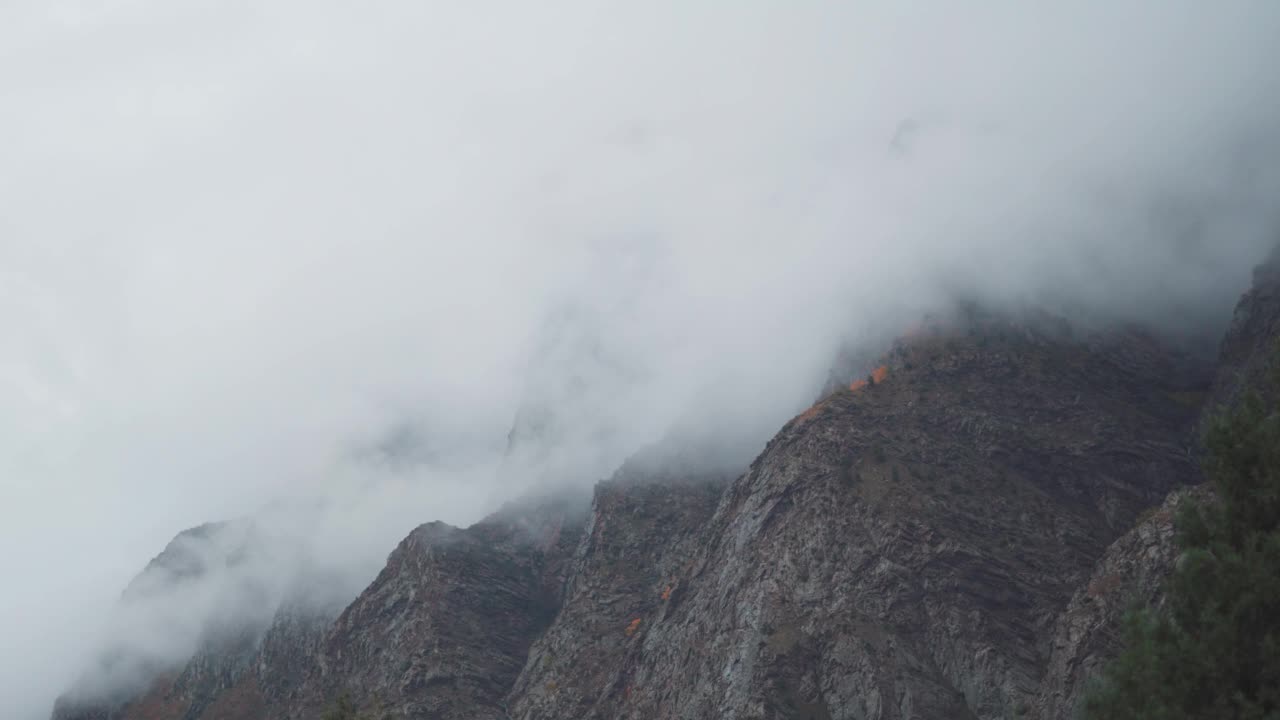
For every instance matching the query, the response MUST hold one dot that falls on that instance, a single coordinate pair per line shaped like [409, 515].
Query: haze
[265, 254]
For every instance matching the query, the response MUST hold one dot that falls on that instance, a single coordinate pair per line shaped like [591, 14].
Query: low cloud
[286, 253]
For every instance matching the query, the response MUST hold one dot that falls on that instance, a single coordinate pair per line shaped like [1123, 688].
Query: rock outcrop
[210, 593]
[1130, 574]
[442, 632]
[1251, 339]
[445, 628]
[645, 530]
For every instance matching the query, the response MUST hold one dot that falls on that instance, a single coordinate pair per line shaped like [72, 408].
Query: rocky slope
[949, 535]
[409, 643]
[1251, 338]
[645, 529]
[205, 588]
[1087, 634]
[904, 550]
[406, 644]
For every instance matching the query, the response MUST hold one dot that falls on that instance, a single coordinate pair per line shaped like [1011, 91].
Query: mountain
[901, 550]
[952, 532]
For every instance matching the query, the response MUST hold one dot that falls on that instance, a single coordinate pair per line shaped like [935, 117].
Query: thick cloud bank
[286, 251]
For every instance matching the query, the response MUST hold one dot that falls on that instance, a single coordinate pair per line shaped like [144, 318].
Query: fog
[309, 254]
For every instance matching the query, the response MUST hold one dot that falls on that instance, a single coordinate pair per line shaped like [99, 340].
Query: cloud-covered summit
[241, 244]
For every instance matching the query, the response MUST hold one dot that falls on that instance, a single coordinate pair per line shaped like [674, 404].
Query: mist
[403, 261]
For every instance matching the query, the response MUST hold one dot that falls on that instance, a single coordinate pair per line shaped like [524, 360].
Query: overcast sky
[244, 245]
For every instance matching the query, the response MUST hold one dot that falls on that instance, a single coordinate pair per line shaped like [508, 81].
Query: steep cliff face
[408, 643]
[904, 550]
[445, 628]
[272, 669]
[1251, 338]
[645, 529]
[1130, 573]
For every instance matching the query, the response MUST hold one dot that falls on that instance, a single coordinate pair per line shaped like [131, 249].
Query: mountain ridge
[945, 541]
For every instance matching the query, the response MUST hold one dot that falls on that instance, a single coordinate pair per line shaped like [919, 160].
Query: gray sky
[244, 244]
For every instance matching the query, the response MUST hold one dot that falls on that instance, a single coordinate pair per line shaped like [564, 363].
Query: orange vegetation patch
[666, 594]
[877, 376]
[809, 414]
[631, 629]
